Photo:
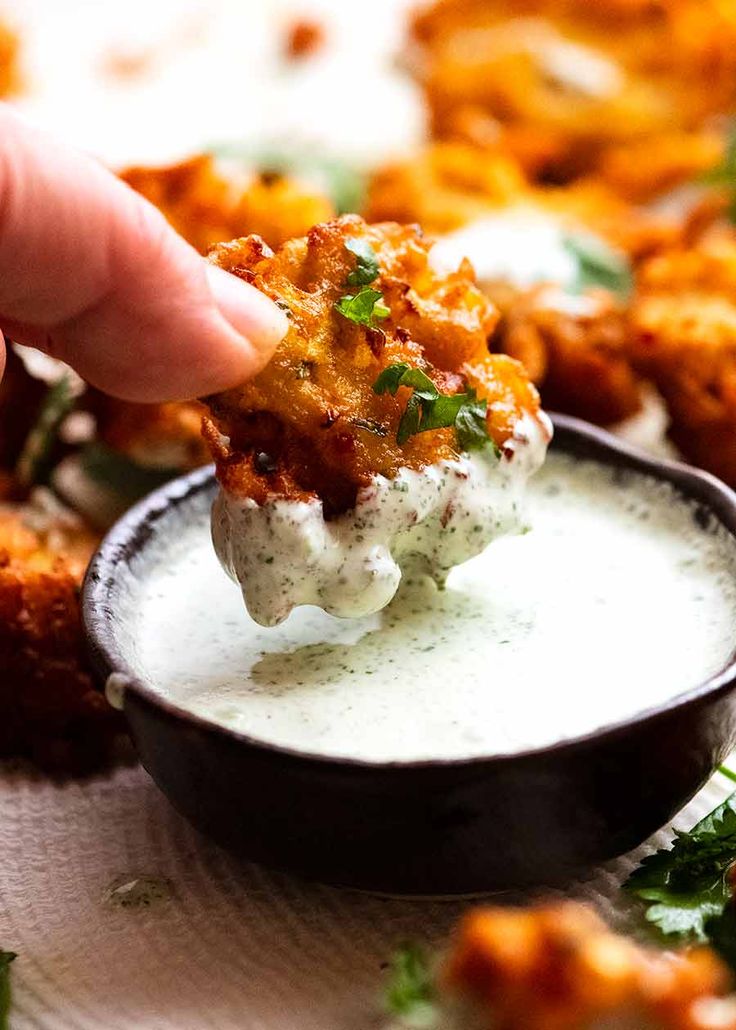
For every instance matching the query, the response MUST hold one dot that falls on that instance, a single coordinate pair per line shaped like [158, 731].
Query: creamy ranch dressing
[615, 601]
[285, 554]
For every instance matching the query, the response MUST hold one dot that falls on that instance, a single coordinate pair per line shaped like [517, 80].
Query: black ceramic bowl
[428, 827]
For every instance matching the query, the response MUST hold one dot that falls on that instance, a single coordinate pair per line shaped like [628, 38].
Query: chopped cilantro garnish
[410, 992]
[427, 408]
[366, 268]
[6, 957]
[599, 265]
[364, 307]
[687, 887]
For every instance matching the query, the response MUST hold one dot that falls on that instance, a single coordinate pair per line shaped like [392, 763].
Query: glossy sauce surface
[615, 601]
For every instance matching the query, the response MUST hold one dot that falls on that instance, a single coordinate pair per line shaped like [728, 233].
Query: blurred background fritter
[51, 710]
[207, 204]
[310, 422]
[557, 965]
[568, 85]
[683, 323]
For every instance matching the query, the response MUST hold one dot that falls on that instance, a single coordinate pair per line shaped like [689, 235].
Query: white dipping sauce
[284, 553]
[615, 601]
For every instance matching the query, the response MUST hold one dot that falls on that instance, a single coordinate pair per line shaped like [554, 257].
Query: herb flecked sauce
[616, 600]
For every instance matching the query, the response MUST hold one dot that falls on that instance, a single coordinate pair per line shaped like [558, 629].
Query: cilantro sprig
[410, 991]
[687, 888]
[598, 265]
[427, 408]
[365, 307]
[6, 957]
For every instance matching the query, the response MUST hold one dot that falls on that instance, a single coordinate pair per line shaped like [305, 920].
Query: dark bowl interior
[428, 827]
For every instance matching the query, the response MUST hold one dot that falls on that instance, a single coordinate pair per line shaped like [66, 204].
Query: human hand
[93, 274]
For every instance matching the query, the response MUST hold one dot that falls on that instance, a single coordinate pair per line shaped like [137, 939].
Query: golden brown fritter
[50, 708]
[206, 206]
[155, 436]
[451, 183]
[566, 84]
[579, 361]
[683, 321]
[558, 967]
[9, 69]
[310, 422]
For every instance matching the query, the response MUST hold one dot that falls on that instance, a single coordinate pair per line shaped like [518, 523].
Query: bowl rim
[129, 535]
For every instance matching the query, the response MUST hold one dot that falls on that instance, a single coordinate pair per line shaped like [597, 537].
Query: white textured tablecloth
[233, 946]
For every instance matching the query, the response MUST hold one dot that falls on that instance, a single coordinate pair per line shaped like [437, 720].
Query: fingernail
[250, 312]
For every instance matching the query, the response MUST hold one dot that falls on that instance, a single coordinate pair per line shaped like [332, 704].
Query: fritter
[311, 424]
[581, 361]
[567, 85]
[50, 708]
[383, 436]
[558, 967]
[683, 323]
[206, 205]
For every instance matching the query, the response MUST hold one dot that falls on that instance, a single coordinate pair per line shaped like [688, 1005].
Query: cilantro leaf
[686, 887]
[427, 408]
[410, 992]
[6, 957]
[366, 264]
[364, 307]
[599, 265]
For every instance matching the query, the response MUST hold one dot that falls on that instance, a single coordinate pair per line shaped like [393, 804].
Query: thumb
[93, 274]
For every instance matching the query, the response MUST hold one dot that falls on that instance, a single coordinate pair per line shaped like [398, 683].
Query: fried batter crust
[206, 207]
[310, 423]
[50, 709]
[582, 363]
[500, 65]
[558, 967]
[683, 322]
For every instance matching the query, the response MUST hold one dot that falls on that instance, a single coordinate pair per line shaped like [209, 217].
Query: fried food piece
[9, 69]
[567, 85]
[574, 348]
[50, 708]
[581, 361]
[154, 436]
[336, 471]
[450, 184]
[558, 967]
[313, 410]
[206, 206]
[683, 321]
